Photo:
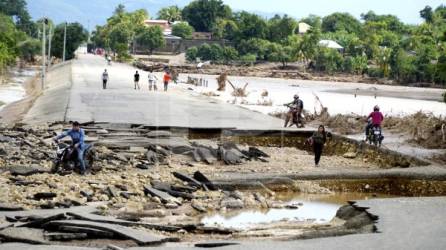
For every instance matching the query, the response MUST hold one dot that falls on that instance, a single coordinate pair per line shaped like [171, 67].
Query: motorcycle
[296, 116]
[65, 160]
[375, 136]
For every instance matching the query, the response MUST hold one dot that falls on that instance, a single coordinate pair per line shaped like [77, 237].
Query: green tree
[17, 10]
[203, 14]
[280, 53]
[310, 43]
[216, 53]
[403, 67]
[281, 27]
[392, 22]
[171, 13]
[251, 26]
[341, 21]
[119, 10]
[254, 46]
[359, 64]
[225, 29]
[151, 38]
[248, 59]
[183, 30]
[29, 48]
[76, 34]
[328, 60]
[204, 52]
[119, 38]
[312, 20]
[230, 53]
[440, 76]
[191, 54]
[120, 31]
[427, 14]
[350, 41]
[8, 41]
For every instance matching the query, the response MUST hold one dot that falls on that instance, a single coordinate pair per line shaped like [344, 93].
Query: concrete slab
[85, 100]
[139, 236]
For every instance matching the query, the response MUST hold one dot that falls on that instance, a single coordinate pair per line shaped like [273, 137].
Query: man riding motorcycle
[374, 120]
[295, 111]
[77, 137]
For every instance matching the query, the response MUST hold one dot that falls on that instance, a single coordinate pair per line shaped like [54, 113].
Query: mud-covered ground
[124, 177]
[33, 148]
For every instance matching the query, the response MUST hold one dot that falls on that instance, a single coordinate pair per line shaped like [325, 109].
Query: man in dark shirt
[136, 80]
[296, 108]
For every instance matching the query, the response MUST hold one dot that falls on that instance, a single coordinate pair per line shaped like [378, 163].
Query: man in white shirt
[152, 81]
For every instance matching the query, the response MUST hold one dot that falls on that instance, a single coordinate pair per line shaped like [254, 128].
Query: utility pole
[49, 46]
[64, 41]
[88, 29]
[45, 21]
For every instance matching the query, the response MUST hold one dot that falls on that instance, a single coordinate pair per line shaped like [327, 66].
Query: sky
[406, 10]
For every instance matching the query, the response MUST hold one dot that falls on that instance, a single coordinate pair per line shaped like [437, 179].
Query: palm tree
[171, 13]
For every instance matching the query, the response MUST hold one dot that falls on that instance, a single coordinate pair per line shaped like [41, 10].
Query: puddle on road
[312, 209]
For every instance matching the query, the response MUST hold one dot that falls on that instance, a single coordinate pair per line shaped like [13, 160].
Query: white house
[330, 44]
[303, 28]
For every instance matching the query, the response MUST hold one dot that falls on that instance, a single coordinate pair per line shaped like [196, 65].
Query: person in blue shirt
[77, 137]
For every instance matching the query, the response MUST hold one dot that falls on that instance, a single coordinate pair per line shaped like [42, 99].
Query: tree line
[377, 45]
[20, 37]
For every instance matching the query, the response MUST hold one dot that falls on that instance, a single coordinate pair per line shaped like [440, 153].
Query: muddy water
[307, 208]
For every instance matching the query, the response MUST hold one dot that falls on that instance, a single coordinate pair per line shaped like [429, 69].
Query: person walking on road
[166, 79]
[136, 80]
[318, 139]
[104, 79]
[152, 81]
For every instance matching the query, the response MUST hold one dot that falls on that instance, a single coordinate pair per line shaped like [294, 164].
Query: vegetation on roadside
[183, 30]
[379, 45]
[17, 33]
[124, 29]
[20, 37]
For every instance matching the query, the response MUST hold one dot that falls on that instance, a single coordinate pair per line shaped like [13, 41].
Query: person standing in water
[319, 138]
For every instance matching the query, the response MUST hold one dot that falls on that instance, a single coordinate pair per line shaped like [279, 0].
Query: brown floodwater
[308, 209]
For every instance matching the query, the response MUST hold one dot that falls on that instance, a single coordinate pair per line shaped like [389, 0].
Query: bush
[204, 52]
[347, 66]
[216, 53]
[182, 30]
[375, 72]
[229, 53]
[329, 60]
[212, 52]
[191, 54]
[248, 58]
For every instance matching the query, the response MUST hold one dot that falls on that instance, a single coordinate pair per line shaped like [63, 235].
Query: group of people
[319, 137]
[151, 77]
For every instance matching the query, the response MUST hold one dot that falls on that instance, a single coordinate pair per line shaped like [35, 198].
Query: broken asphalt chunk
[141, 237]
